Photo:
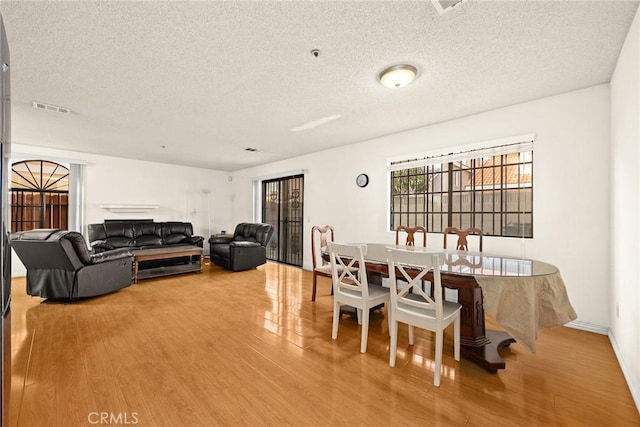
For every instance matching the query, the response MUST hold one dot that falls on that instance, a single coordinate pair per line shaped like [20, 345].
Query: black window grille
[39, 195]
[491, 189]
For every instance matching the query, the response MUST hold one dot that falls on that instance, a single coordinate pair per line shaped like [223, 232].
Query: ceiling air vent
[49, 107]
[444, 6]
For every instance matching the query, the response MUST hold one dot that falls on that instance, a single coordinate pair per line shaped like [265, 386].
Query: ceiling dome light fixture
[399, 75]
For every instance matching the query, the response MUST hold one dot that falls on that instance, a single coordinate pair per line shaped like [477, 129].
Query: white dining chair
[350, 287]
[411, 305]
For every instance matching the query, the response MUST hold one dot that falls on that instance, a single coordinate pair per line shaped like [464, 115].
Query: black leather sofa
[146, 234]
[245, 250]
[60, 266]
[141, 234]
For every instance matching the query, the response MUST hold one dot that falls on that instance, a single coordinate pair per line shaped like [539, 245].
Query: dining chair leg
[394, 344]
[410, 334]
[365, 331]
[336, 319]
[436, 372]
[315, 284]
[359, 315]
[456, 338]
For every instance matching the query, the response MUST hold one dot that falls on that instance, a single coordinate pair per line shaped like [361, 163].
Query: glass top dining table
[523, 295]
[470, 263]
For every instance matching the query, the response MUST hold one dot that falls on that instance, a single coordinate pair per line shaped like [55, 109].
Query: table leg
[135, 271]
[477, 344]
[487, 355]
[472, 331]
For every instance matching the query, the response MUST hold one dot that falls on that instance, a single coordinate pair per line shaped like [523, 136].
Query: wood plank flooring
[250, 348]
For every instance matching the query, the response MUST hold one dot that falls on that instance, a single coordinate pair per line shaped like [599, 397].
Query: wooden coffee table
[188, 252]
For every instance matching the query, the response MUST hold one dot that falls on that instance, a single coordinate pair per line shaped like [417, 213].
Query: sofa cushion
[119, 234]
[96, 232]
[147, 234]
[174, 239]
[148, 240]
[176, 232]
[244, 244]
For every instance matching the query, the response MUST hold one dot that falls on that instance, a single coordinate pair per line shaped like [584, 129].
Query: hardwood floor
[250, 348]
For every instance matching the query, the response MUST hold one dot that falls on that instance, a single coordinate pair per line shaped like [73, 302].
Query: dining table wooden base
[476, 343]
[488, 355]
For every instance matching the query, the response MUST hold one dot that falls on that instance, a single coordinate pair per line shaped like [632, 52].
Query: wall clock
[362, 180]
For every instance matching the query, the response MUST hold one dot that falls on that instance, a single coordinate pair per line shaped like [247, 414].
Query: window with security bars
[39, 195]
[490, 188]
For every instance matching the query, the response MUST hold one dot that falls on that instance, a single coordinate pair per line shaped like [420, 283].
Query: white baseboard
[633, 387]
[589, 327]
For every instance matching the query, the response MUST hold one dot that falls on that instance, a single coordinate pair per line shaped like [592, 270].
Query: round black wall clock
[362, 180]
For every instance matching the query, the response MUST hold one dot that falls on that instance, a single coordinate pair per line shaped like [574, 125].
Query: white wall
[571, 187]
[178, 190]
[625, 216]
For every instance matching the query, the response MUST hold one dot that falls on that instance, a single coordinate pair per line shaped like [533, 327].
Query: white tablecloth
[525, 305]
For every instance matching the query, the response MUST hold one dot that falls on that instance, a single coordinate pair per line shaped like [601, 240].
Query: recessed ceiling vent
[444, 6]
[49, 107]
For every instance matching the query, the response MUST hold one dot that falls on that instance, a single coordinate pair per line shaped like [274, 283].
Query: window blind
[497, 150]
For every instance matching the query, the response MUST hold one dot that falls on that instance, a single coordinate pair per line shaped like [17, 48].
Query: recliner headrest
[253, 232]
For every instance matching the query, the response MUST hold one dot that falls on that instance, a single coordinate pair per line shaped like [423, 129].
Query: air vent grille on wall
[49, 107]
[443, 6]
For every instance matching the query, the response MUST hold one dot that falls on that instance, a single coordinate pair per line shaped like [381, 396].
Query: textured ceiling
[208, 79]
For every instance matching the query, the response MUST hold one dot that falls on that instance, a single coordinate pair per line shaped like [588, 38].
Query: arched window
[39, 195]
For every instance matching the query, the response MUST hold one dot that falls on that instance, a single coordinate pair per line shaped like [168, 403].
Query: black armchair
[245, 250]
[60, 266]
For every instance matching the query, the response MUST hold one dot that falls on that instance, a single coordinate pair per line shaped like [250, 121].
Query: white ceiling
[208, 79]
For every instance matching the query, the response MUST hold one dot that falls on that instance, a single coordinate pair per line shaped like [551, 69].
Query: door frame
[283, 230]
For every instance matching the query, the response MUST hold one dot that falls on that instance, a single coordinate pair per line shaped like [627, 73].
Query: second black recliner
[245, 250]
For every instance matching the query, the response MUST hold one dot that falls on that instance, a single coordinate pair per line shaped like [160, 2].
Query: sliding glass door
[282, 201]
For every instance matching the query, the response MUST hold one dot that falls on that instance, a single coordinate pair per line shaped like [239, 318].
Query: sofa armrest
[218, 239]
[246, 255]
[99, 246]
[195, 240]
[111, 255]
[243, 244]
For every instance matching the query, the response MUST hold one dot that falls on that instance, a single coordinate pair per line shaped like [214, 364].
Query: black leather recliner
[245, 250]
[60, 266]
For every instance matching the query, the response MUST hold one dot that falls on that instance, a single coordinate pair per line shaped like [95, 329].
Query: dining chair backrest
[321, 236]
[411, 231]
[411, 305]
[348, 271]
[412, 267]
[351, 288]
[462, 243]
